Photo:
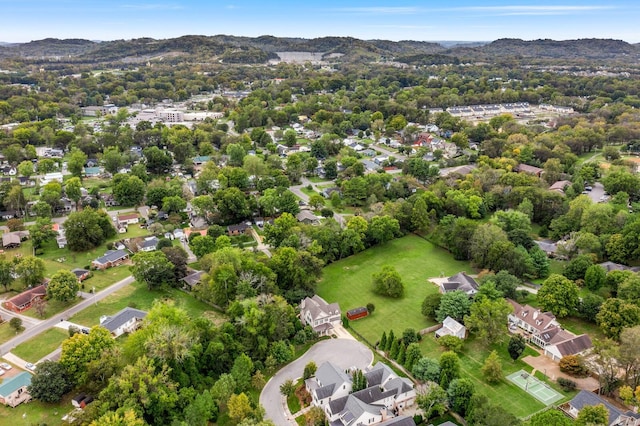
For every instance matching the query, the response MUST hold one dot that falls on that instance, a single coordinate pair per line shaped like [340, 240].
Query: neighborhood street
[51, 322]
[297, 190]
[344, 353]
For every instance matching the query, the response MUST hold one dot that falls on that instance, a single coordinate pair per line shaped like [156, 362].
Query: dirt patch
[552, 370]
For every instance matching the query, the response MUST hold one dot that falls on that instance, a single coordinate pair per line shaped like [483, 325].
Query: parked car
[5, 366]
[1, 372]
[85, 330]
[30, 366]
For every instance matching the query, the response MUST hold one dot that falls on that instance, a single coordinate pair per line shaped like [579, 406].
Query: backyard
[348, 282]
[137, 295]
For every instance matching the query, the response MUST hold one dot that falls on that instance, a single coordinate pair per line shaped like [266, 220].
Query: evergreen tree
[390, 341]
[383, 341]
[401, 353]
[393, 352]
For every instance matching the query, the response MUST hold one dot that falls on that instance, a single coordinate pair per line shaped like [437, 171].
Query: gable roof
[461, 281]
[122, 317]
[612, 266]
[559, 186]
[148, 242]
[28, 295]
[79, 272]
[450, 326]
[406, 421]
[11, 385]
[329, 374]
[378, 374]
[319, 308]
[306, 215]
[128, 216]
[532, 316]
[586, 398]
[193, 278]
[112, 256]
[575, 346]
[525, 168]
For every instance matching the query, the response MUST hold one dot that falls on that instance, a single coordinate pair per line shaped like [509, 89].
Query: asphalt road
[344, 353]
[51, 322]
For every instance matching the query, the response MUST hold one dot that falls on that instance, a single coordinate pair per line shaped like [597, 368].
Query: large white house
[125, 321]
[320, 315]
[386, 396]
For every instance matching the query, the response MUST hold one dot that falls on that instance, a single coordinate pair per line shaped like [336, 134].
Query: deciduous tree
[559, 295]
[388, 282]
[63, 286]
[50, 382]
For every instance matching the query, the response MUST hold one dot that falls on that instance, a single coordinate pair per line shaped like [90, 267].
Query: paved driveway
[344, 353]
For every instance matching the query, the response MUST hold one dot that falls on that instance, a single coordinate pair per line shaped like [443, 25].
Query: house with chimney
[320, 315]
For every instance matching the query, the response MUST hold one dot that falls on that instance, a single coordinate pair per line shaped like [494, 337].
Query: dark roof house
[460, 282]
[125, 321]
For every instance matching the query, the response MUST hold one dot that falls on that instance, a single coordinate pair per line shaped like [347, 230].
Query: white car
[1, 372]
[5, 366]
[30, 366]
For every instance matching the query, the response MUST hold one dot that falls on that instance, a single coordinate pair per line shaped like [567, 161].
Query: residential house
[543, 330]
[26, 181]
[612, 266]
[460, 282]
[192, 279]
[14, 239]
[14, 391]
[24, 300]
[238, 229]
[108, 199]
[320, 315]
[560, 186]
[8, 170]
[327, 192]
[550, 247]
[148, 244]
[128, 218]
[125, 321]
[50, 177]
[617, 416]
[308, 218]
[178, 233]
[384, 398]
[81, 274]
[92, 171]
[10, 214]
[451, 327]
[531, 170]
[110, 259]
[328, 384]
[200, 160]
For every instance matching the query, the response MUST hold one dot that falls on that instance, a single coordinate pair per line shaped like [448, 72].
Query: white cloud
[380, 10]
[533, 10]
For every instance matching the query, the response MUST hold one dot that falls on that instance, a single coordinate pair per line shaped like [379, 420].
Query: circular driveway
[344, 353]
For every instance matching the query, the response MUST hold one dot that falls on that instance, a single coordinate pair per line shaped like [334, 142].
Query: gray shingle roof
[112, 256]
[405, 421]
[122, 317]
[586, 398]
[194, 278]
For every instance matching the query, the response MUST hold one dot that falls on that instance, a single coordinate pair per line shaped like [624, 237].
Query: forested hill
[233, 49]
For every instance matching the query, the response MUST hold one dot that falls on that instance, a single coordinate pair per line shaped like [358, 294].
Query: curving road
[344, 353]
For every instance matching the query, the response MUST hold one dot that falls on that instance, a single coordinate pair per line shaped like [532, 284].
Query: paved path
[261, 246]
[15, 360]
[552, 370]
[344, 353]
[51, 322]
[304, 182]
[27, 322]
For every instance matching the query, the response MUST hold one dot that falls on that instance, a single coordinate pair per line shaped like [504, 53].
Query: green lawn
[6, 332]
[37, 413]
[52, 308]
[308, 191]
[580, 326]
[472, 359]
[138, 295]
[349, 283]
[43, 344]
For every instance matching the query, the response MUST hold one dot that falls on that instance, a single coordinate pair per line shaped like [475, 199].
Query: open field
[37, 413]
[349, 283]
[43, 344]
[137, 295]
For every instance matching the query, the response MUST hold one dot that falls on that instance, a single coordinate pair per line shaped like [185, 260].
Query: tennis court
[539, 390]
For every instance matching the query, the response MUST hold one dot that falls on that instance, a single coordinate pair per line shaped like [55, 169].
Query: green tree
[202, 245]
[75, 163]
[153, 268]
[488, 319]
[6, 272]
[551, 417]
[492, 368]
[426, 369]
[454, 304]
[146, 389]
[241, 372]
[449, 368]
[25, 169]
[157, 161]
[615, 315]
[577, 267]
[412, 355]
[31, 269]
[383, 228]
[16, 324]
[593, 415]
[129, 191]
[516, 346]
[432, 400]
[73, 189]
[309, 370]
[80, 349]
[629, 289]
[430, 305]
[87, 229]
[388, 282]
[63, 286]
[50, 382]
[358, 380]
[239, 407]
[116, 418]
[460, 392]
[112, 160]
[559, 295]
[595, 277]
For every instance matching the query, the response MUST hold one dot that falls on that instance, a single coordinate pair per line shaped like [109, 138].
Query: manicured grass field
[43, 344]
[37, 413]
[6, 332]
[504, 393]
[143, 299]
[349, 283]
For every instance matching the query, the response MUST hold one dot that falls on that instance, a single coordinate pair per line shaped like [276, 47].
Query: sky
[426, 20]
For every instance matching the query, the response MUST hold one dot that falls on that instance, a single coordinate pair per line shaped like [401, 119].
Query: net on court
[539, 390]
